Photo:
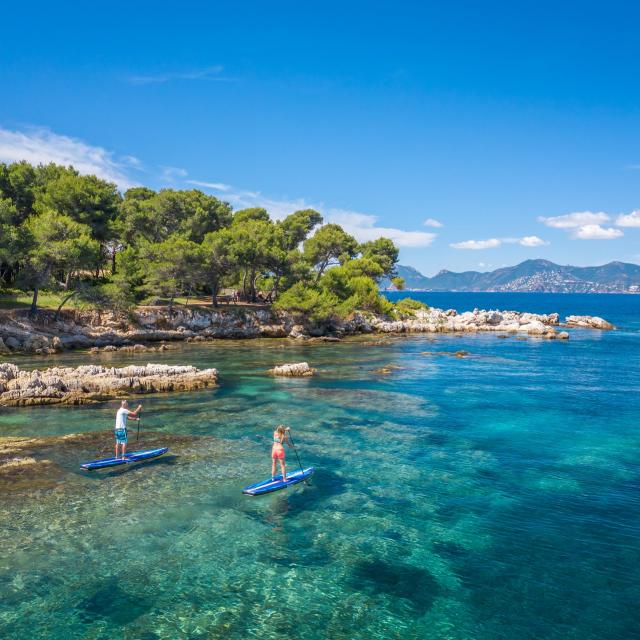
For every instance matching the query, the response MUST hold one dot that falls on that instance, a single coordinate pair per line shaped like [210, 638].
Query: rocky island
[92, 383]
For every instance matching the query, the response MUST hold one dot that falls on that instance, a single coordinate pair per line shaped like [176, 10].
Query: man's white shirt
[121, 418]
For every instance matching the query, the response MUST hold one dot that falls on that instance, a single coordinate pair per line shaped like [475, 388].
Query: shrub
[112, 296]
[409, 306]
[337, 294]
[317, 303]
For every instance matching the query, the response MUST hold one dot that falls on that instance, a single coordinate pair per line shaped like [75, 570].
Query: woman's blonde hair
[281, 429]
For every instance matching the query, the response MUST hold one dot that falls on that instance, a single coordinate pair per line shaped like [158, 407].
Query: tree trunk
[173, 295]
[214, 294]
[321, 270]
[66, 299]
[67, 280]
[113, 262]
[244, 285]
[34, 303]
[276, 287]
[253, 285]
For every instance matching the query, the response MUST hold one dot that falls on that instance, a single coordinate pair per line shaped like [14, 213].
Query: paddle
[297, 456]
[139, 420]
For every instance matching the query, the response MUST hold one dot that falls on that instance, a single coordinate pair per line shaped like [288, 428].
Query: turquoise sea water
[488, 497]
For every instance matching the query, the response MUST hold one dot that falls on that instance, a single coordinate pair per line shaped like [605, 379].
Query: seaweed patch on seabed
[113, 602]
[415, 585]
[295, 548]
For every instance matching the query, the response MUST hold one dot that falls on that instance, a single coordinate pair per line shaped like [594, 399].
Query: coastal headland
[153, 328]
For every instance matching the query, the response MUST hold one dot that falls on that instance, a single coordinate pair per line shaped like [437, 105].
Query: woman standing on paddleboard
[280, 436]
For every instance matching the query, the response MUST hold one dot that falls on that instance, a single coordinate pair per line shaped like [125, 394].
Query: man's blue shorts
[121, 436]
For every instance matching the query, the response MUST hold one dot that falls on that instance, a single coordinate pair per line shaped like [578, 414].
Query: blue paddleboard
[136, 456]
[276, 483]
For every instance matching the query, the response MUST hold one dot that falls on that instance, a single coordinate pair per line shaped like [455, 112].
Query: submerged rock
[301, 369]
[30, 464]
[93, 383]
[387, 369]
[451, 354]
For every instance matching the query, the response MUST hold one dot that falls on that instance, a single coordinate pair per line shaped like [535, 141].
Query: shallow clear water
[494, 496]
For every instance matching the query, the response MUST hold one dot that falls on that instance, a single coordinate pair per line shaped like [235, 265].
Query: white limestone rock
[298, 370]
[91, 383]
[589, 322]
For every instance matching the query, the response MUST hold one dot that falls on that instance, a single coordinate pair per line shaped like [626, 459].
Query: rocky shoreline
[91, 383]
[155, 326]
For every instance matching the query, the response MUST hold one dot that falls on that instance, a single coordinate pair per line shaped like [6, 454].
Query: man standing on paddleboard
[121, 425]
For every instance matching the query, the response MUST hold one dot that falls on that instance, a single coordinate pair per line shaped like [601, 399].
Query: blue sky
[513, 129]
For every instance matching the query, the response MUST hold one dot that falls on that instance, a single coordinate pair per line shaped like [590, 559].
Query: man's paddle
[139, 420]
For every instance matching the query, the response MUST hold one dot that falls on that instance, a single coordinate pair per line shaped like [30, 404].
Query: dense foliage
[75, 234]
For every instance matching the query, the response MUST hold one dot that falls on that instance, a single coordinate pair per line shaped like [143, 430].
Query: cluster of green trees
[77, 234]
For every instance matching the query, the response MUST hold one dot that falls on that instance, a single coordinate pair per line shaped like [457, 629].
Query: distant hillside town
[529, 276]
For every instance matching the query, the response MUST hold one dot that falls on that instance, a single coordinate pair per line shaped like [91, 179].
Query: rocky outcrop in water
[440, 321]
[150, 326]
[588, 322]
[92, 383]
[298, 370]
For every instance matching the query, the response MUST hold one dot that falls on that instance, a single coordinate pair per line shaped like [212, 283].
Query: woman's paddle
[139, 420]
[297, 456]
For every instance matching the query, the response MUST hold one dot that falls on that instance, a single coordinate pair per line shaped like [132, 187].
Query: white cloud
[596, 232]
[171, 174]
[574, 220]
[363, 227]
[278, 209]
[491, 243]
[432, 222]
[532, 241]
[40, 145]
[215, 186]
[629, 220]
[206, 73]
[587, 225]
[131, 161]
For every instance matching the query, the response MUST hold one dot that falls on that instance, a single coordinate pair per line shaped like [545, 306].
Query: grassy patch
[22, 300]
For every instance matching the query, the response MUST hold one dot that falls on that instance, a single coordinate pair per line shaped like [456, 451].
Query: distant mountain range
[530, 276]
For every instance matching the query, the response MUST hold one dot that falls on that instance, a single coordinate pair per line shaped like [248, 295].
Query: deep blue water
[494, 496]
